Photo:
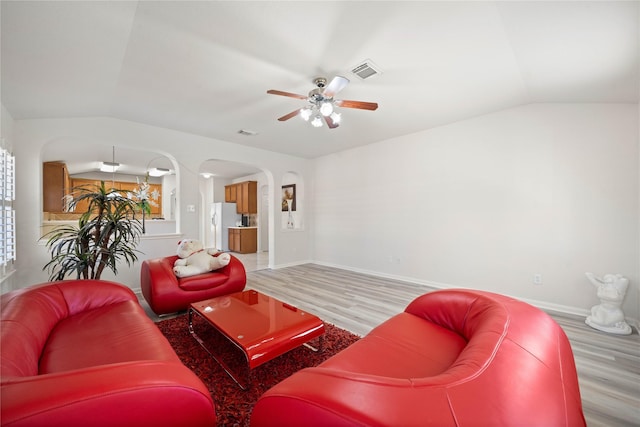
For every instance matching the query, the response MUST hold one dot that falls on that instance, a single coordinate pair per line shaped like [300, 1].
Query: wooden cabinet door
[248, 241]
[250, 197]
[87, 184]
[241, 202]
[230, 193]
[234, 240]
[243, 240]
[156, 189]
[126, 187]
[155, 195]
[55, 185]
[247, 197]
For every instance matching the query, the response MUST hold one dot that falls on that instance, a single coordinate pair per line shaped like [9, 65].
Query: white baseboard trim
[543, 305]
[291, 264]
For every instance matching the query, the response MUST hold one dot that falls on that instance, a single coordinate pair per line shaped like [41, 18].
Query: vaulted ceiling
[205, 67]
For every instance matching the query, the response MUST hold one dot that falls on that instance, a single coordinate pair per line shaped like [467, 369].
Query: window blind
[7, 212]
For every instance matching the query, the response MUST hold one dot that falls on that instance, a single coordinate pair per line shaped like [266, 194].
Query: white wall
[6, 126]
[487, 203]
[206, 199]
[185, 150]
[218, 188]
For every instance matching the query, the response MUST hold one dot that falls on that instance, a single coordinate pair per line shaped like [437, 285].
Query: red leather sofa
[84, 353]
[167, 293]
[452, 358]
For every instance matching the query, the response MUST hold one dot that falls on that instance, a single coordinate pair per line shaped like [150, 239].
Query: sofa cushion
[115, 333]
[392, 350]
[202, 281]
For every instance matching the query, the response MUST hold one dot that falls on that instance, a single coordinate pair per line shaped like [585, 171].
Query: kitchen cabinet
[154, 194]
[55, 185]
[78, 187]
[247, 202]
[230, 193]
[156, 211]
[244, 195]
[243, 240]
[124, 187]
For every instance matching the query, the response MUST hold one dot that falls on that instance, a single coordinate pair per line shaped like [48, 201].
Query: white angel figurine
[608, 316]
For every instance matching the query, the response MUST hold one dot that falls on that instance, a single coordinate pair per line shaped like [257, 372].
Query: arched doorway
[218, 216]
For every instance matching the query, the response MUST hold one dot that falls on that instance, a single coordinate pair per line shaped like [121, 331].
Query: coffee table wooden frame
[260, 326]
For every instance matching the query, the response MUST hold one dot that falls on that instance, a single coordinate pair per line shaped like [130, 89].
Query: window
[7, 212]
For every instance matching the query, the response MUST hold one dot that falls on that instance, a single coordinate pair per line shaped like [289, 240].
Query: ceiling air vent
[247, 132]
[366, 69]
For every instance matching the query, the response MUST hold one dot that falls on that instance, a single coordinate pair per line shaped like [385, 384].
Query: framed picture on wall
[288, 193]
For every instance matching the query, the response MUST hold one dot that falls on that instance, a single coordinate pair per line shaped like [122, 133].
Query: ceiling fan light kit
[326, 108]
[109, 167]
[322, 104]
[316, 122]
[159, 172]
[306, 113]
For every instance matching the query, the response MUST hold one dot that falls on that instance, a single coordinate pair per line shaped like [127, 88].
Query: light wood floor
[254, 261]
[608, 365]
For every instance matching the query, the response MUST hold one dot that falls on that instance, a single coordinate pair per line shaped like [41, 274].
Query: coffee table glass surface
[263, 327]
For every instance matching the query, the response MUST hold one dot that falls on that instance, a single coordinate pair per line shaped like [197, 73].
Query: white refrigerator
[223, 216]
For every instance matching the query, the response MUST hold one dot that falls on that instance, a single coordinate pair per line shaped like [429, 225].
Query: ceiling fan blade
[289, 94]
[336, 85]
[371, 106]
[288, 116]
[330, 122]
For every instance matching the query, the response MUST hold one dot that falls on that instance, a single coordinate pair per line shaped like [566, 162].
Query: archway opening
[234, 216]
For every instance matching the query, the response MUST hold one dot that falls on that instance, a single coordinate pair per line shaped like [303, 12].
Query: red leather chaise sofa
[84, 353]
[167, 293]
[452, 358]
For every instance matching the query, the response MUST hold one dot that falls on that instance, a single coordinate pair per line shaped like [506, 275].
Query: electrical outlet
[537, 279]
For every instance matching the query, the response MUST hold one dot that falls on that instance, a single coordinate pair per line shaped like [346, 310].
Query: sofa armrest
[148, 393]
[235, 269]
[157, 277]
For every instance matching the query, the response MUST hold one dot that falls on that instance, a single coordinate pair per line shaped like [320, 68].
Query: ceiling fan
[321, 102]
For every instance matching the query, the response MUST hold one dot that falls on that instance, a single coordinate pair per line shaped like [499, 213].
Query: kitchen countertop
[240, 228]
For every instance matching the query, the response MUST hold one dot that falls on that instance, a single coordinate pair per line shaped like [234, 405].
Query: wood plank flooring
[608, 365]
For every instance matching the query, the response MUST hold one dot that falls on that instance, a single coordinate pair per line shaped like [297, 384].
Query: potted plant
[106, 234]
[144, 198]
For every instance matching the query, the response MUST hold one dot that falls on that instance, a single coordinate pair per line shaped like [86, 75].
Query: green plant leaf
[107, 233]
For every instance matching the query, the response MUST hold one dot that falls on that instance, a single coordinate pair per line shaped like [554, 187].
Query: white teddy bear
[196, 260]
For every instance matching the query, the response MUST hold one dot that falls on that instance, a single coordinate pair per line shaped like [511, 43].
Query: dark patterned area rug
[234, 405]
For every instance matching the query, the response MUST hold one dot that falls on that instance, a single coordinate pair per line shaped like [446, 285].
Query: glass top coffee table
[260, 326]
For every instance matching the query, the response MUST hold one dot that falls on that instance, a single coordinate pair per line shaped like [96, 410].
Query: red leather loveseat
[167, 293]
[84, 353]
[452, 358]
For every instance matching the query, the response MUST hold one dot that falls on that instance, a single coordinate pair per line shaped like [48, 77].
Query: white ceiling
[204, 67]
